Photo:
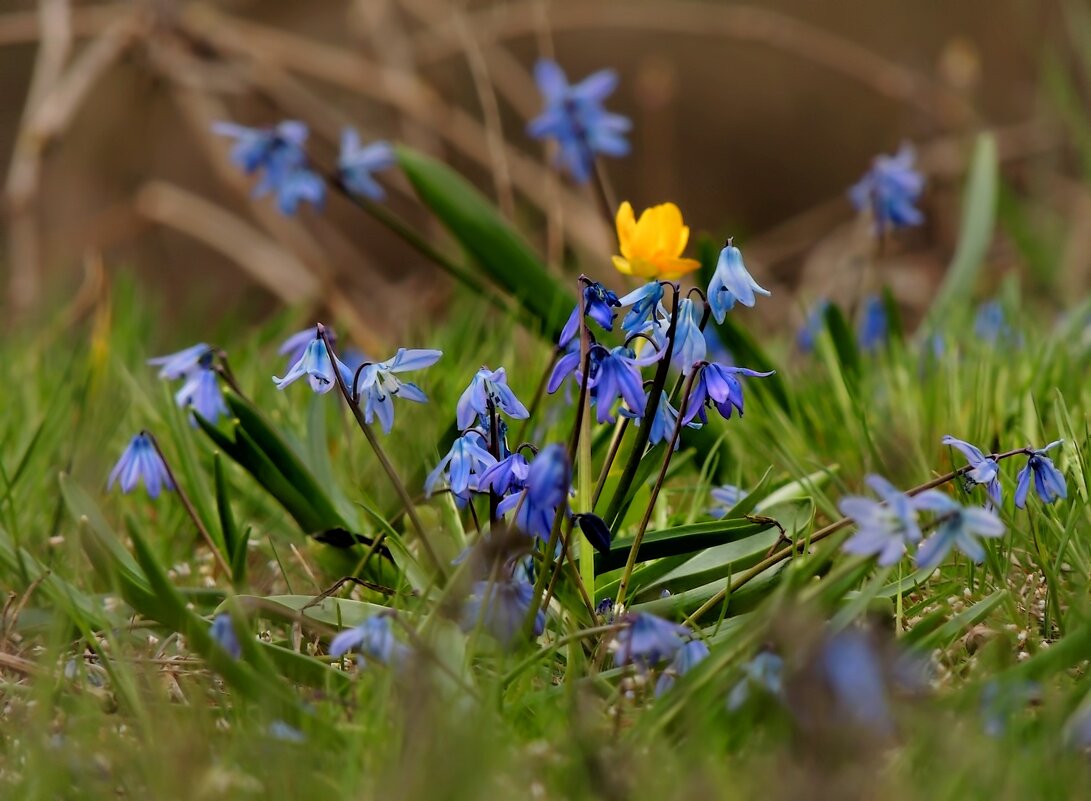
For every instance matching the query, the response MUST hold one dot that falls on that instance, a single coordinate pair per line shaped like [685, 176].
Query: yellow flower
[652, 246]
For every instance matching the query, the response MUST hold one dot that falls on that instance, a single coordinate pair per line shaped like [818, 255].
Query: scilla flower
[990, 325]
[645, 303]
[688, 657]
[277, 153]
[181, 364]
[315, 364]
[295, 346]
[666, 418]
[372, 639]
[652, 246]
[690, 345]
[618, 376]
[725, 497]
[1049, 482]
[501, 608]
[462, 465]
[507, 475]
[548, 482]
[983, 469]
[764, 672]
[201, 393]
[488, 385]
[379, 384]
[357, 162]
[730, 283]
[889, 190]
[598, 304]
[223, 632]
[646, 640]
[141, 462]
[882, 529]
[957, 527]
[872, 331]
[575, 118]
[812, 326]
[717, 385]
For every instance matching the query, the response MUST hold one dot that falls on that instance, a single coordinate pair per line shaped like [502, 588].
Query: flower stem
[581, 444]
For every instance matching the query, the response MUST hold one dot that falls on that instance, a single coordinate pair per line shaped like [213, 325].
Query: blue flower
[812, 326]
[618, 376]
[295, 346]
[984, 469]
[645, 303]
[1001, 701]
[666, 417]
[689, 340]
[356, 164]
[1049, 482]
[990, 325]
[141, 462]
[201, 393]
[488, 385]
[501, 607]
[574, 116]
[686, 659]
[316, 365]
[647, 640]
[182, 363]
[958, 527]
[277, 153]
[717, 384]
[598, 304]
[223, 632]
[507, 475]
[730, 283]
[725, 498]
[379, 383]
[857, 680]
[548, 483]
[464, 463]
[890, 189]
[374, 639]
[279, 730]
[882, 529]
[764, 672]
[872, 331]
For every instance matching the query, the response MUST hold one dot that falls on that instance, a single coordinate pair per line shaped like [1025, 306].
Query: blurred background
[754, 118]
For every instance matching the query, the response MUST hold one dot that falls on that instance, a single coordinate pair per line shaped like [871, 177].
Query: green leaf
[336, 612]
[844, 341]
[676, 541]
[229, 532]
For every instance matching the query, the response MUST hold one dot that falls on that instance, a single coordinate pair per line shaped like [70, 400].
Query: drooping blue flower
[488, 385]
[201, 393]
[506, 476]
[730, 283]
[548, 482]
[857, 680]
[316, 365]
[725, 497]
[882, 529]
[141, 462]
[890, 189]
[1049, 482]
[574, 116]
[618, 376]
[295, 346]
[379, 384]
[598, 304]
[223, 632]
[688, 657]
[645, 304]
[357, 163]
[991, 325]
[568, 364]
[689, 340]
[646, 640]
[666, 417]
[873, 328]
[462, 466]
[957, 527]
[812, 326]
[372, 639]
[765, 672]
[984, 469]
[181, 364]
[278, 155]
[501, 608]
[718, 385]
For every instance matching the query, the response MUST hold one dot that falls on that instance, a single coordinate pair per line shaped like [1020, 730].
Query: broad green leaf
[676, 541]
[336, 612]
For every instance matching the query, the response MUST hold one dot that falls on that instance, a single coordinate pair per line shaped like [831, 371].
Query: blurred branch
[27, 27]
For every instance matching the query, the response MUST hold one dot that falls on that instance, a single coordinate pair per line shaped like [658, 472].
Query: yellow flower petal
[651, 245]
[622, 265]
[676, 268]
[626, 228]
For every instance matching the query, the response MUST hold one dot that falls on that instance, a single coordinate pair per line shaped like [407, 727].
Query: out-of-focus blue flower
[462, 466]
[957, 527]
[574, 116]
[647, 640]
[812, 326]
[598, 304]
[181, 364]
[689, 340]
[855, 675]
[991, 325]
[488, 385]
[725, 497]
[501, 608]
[688, 657]
[1000, 701]
[279, 730]
[718, 385]
[277, 153]
[666, 417]
[882, 529]
[872, 331]
[730, 283]
[1049, 482]
[201, 393]
[765, 672]
[379, 384]
[357, 163]
[372, 639]
[645, 303]
[1077, 729]
[984, 469]
[715, 349]
[548, 483]
[141, 462]
[618, 376]
[890, 189]
[507, 475]
[223, 632]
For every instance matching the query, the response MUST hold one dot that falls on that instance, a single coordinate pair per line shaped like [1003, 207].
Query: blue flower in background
[598, 304]
[357, 163]
[372, 639]
[688, 657]
[1001, 701]
[890, 189]
[647, 640]
[812, 326]
[618, 376]
[958, 527]
[507, 475]
[984, 469]
[730, 283]
[316, 365]
[488, 385]
[574, 116]
[991, 325]
[666, 417]
[882, 529]
[718, 384]
[501, 608]
[764, 672]
[725, 497]
[182, 363]
[466, 460]
[141, 462]
[223, 632]
[689, 340]
[715, 349]
[548, 483]
[1049, 482]
[856, 678]
[379, 383]
[645, 303]
[201, 393]
[278, 155]
[872, 331]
